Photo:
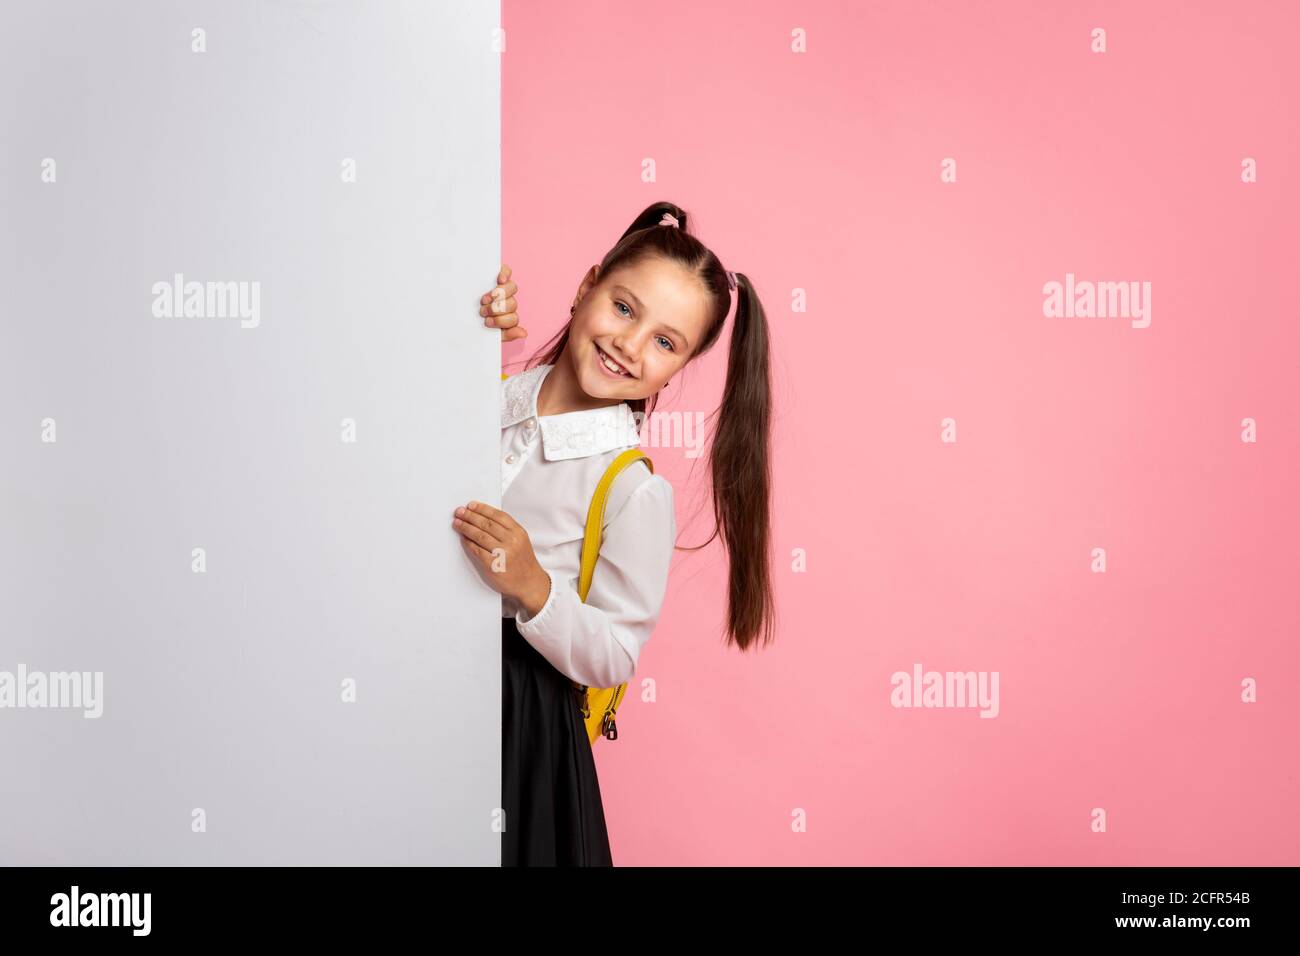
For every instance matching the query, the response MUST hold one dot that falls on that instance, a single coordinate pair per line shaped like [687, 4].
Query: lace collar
[590, 431]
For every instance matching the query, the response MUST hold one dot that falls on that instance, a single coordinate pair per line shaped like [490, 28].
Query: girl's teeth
[610, 365]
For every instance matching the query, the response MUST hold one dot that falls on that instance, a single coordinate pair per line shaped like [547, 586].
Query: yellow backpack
[599, 705]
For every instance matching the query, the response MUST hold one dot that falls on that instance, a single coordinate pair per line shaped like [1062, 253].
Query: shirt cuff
[539, 619]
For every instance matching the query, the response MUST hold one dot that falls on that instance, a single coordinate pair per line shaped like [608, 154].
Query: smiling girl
[657, 301]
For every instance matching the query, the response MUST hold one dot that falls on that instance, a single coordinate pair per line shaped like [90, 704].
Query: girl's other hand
[497, 308]
[504, 553]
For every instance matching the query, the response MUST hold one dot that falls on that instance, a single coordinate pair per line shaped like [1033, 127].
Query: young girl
[657, 301]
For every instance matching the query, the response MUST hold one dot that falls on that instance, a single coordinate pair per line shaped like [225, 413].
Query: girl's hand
[503, 551]
[498, 307]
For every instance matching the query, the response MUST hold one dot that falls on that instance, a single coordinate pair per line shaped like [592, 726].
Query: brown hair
[739, 459]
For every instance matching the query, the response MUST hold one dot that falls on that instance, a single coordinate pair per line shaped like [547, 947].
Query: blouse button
[510, 458]
[530, 425]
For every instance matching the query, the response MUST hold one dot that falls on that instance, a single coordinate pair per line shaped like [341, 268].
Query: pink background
[820, 171]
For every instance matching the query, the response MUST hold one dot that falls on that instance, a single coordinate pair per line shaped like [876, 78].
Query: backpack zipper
[608, 727]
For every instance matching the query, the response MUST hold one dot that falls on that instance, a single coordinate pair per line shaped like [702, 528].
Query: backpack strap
[590, 552]
[596, 515]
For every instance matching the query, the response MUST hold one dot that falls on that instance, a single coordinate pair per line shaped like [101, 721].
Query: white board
[200, 531]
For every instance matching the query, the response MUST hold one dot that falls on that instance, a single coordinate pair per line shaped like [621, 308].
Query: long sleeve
[598, 643]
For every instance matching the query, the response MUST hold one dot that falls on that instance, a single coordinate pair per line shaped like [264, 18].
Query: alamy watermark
[1085, 299]
[70, 690]
[946, 689]
[179, 299]
[102, 909]
[672, 430]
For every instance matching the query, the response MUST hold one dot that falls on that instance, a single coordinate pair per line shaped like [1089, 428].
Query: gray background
[325, 560]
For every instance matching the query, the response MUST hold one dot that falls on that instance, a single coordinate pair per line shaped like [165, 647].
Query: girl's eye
[664, 338]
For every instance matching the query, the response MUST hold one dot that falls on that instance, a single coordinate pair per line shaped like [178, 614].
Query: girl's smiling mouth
[609, 366]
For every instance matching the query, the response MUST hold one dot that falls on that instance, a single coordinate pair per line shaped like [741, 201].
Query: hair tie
[669, 220]
[731, 280]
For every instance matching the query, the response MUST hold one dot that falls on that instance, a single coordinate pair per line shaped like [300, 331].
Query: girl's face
[645, 318]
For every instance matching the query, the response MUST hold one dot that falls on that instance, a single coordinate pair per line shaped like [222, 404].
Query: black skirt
[549, 791]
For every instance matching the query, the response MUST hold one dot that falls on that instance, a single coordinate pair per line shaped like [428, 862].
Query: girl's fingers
[495, 515]
[474, 551]
[501, 290]
[471, 516]
[491, 521]
[498, 291]
[488, 518]
[499, 308]
[474, 533]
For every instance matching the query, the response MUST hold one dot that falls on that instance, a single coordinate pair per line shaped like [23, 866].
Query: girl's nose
[627, 346]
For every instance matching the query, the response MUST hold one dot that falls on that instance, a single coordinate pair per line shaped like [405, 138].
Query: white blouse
[550, 466]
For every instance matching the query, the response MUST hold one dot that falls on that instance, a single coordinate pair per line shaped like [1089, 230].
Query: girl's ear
[589, 280]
